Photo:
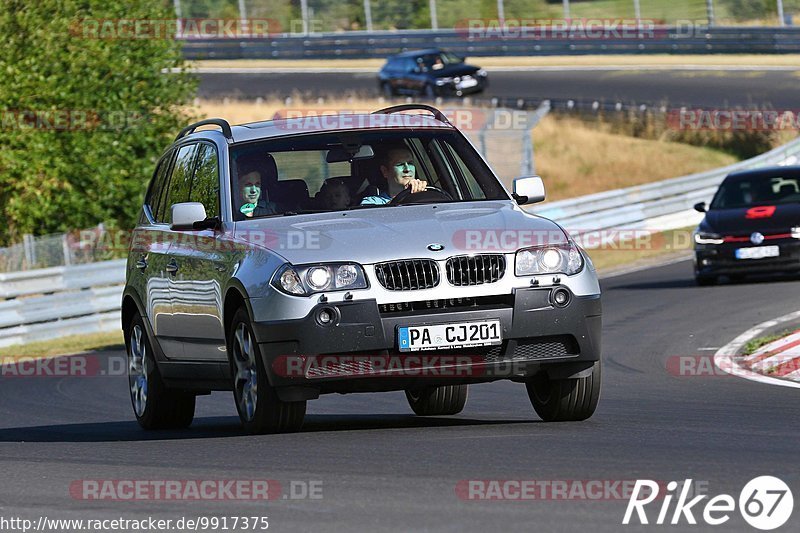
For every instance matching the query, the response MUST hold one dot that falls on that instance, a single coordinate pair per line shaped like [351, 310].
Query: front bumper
[535, 332]
[452, 89]
[720, 259]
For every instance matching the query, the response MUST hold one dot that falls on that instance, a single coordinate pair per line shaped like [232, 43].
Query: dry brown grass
[574, 158]
[660, 60]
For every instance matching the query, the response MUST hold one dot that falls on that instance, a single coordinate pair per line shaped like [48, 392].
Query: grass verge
[754, 344]
[657, 60]
[64, 346]
[645, 248]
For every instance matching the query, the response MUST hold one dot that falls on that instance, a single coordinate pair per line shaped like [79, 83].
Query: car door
[202, 266]
[147, 260]
[176, 191]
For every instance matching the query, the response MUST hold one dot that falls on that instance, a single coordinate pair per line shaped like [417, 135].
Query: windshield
[438, 60]
[342, 171]
[757, 190]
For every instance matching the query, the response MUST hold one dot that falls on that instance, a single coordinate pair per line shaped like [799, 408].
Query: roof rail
[438, 115]
[221, 122]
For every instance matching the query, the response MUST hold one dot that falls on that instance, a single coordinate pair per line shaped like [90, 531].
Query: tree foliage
[84, 119]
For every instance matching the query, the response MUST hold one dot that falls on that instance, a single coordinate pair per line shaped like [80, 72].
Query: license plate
[466, 84]
[758, 252]
[449, 336]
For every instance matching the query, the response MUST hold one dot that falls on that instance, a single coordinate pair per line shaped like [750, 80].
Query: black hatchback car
[752, 226]
[430, 73]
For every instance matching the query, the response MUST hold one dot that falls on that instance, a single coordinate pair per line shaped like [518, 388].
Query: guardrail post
[29, 245]
[65, 249]
[368, 14]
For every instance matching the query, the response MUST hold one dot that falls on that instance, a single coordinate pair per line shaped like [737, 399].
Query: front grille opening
[553, 347]
[475, 269]
[450, 303]
[408, 275]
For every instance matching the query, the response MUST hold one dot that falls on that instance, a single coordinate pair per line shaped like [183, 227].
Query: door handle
[141, 263]
[172, 266]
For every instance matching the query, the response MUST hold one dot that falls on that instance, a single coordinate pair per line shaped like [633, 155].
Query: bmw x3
[291, 258]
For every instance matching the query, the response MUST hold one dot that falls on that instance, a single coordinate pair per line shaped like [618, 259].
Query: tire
[432, 401]
[705, 281]
[386, 90]
[563, 400]
[430, 91]
[258, 405]
[155, 406]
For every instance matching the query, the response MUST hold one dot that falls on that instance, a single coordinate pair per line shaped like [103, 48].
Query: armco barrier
[55, 302]
[638, 207]
[360, 45]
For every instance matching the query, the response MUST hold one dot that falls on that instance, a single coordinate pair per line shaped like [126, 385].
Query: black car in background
[430, 73]
[752, 226]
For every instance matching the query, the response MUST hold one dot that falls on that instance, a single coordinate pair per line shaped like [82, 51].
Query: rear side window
[180, 182]
[205, 186]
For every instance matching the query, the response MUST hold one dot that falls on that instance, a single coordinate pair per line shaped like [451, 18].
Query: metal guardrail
[54, 302]
[634, 207]
[360, 45]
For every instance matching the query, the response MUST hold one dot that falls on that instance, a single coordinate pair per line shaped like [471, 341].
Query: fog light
[561, 297]
[327, 316]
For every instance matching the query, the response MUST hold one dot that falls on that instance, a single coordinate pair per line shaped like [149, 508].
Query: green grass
[754, 344]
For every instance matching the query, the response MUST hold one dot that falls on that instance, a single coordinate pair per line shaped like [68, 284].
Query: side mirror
[529, 190]
[186, 214]
[700, 207]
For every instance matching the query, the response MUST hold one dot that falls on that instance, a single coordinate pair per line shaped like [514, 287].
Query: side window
[180, 182]
[205, 186]
[158, 185]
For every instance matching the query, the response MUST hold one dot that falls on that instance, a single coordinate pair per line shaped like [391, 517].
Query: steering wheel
[403, 196]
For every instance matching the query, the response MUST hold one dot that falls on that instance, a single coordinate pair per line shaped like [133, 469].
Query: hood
[383, 233]
[746, 220]
[458, 69]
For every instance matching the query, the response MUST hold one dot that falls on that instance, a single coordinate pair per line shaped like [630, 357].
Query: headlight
[302, 280]
[703, 237]
[796, 232]
[482, 73]
[443, 81]
[564, 259]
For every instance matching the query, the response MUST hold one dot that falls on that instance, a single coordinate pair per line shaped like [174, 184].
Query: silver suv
[353, 253]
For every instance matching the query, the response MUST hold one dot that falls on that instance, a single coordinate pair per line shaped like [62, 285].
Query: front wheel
[562, 400]
[260, 409]
[705, 281]
[155, 406]
[432, 401]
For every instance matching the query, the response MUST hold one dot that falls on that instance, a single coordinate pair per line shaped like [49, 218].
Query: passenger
[398, 168]
[335, 195]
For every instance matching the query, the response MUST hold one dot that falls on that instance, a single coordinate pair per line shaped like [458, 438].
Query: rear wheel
[562, 400]
[430, 91]
[444, 400]
[155, 406]
[386, 89]
[260, 409]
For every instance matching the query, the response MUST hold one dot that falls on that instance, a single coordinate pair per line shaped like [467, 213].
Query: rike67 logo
[765, 503]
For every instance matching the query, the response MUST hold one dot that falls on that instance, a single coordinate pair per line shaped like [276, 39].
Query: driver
[397, 166]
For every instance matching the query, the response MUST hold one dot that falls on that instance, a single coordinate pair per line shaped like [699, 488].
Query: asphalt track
[706, 89]
[384, 469]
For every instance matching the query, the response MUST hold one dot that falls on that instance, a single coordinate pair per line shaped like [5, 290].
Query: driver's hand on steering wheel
[417, 185]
